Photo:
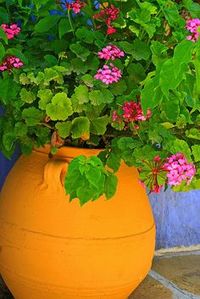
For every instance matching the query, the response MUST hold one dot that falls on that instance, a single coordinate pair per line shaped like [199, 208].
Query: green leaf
[108, 96]
[80, 51]
[85, 35]
[80, 127]
[99, 125]
[88, 80]
[46, 23]
[93, 175]
[127, 47]
[60, 107]
[151, 95]
[27, 96]
[51, 60]
[98, 97]
[141, 50]
[114, 161]
[110, 185]
[3, 36]
[8, 90]
[45, 96]
[196, 152]
[81, 93]
[2, 51]
[64, 27]
[85, 179]
[51, 74]
[64, 128]
[193, 133]
[183, 52]
[21, 129]
[179, 146]
[118, 88]
[23, 79]
[4, 15]
[78, 66]
[8, 141]
[26, 146]
[32, 116]
[170, 107]
[171, 76]
[136, 74]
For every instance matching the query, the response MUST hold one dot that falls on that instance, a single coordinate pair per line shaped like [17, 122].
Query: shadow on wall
[177, 218]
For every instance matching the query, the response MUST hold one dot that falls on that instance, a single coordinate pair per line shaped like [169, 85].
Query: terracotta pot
[51, 248]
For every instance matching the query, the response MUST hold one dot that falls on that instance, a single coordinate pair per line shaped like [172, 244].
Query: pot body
[51, 248]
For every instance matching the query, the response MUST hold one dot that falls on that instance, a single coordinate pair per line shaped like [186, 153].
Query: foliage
[57, 91]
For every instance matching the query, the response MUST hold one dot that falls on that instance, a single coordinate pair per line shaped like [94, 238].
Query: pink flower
[179, 170]
[156, 188]
[108, 15]
[157, 159]
[108, 74]
[132, 111]
[11, 62]
[11, 30]
[110, 52]
[76, 6]
[193, 25]
[115, 116]
[111, 30]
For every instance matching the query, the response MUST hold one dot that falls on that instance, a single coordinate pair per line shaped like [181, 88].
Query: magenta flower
[193, 25]
[108, 74]
[11, 30]
[132, 111]
[179, 170]
[110, 52]
[11, 62]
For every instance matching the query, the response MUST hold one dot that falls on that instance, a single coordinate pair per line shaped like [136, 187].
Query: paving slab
[4, 292]
[183, 271]
[151, 289]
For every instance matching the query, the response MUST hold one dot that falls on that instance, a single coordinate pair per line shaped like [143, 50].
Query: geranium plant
[121, 76]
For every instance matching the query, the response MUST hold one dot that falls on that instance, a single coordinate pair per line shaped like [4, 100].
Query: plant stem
[70, 21]
[90, 3]
[197, 69]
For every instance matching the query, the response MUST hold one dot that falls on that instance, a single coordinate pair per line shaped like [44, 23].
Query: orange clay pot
[51, 248]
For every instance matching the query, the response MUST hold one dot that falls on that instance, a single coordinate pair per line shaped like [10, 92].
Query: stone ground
[173, 276]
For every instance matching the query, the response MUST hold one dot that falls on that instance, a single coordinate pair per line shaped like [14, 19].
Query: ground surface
[173, 276]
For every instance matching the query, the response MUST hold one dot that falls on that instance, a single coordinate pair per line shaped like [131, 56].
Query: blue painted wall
[177, 218]
[5, 166]
[177, 215]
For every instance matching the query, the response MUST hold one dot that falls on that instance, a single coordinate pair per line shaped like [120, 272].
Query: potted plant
[103, 100]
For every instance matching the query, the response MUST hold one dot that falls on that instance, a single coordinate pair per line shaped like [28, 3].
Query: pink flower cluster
[108, 15]
[179, 170]
[193, 25]
[111, 52]
[108, 74]
[77, 6]
[132, 111]
[11, 62]
[11, 30]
